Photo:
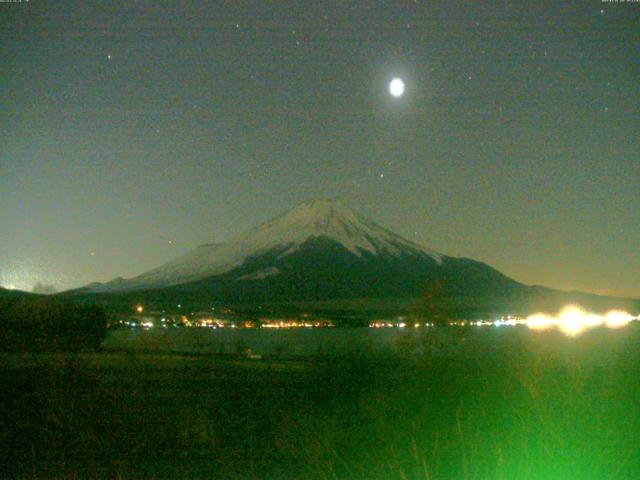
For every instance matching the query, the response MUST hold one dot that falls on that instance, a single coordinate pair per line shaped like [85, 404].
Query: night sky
[131, 132]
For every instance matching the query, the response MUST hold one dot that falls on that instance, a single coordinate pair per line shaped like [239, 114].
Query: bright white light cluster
[573, 320]
[396, 87]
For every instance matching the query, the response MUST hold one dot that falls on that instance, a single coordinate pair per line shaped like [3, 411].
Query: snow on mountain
[287, 233]
[329, 219]
[260, 274]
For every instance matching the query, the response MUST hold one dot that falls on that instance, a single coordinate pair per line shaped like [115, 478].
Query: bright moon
[396, 87]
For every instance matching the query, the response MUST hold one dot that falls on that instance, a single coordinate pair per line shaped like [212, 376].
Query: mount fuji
[322, 251]
[310, 223]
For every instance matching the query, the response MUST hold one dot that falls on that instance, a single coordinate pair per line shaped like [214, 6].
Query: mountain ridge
[322, 253]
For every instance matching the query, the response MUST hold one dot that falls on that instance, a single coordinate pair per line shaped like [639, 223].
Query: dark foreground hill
[31, 322]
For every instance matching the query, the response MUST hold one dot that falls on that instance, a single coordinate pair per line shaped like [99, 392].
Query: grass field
[527, 406]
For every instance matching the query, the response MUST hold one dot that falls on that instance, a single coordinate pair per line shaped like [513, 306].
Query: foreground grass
[512, 406]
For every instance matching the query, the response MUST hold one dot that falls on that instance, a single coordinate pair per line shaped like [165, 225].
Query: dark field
[499, 405]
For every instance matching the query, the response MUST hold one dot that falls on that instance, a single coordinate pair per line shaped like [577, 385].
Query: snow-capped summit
[313, 219]
[332, 220]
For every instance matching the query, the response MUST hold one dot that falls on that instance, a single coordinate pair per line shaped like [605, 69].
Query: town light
[573, 320]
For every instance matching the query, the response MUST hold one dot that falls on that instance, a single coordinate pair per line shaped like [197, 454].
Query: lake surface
[310, 342]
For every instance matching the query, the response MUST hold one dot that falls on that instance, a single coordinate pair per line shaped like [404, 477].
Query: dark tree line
[45, 324]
